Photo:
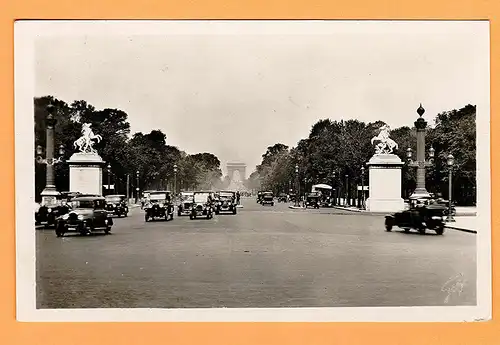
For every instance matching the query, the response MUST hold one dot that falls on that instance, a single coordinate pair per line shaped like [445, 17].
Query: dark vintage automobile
[282, 198]
[159, 205]
[420, 216]
[312, 200]
[203, 205]
[268, 198]
[185, 204]
[326, 202]
[47, 214]
[226, 202]
[259, 196]
[87, 216]
[116, 205]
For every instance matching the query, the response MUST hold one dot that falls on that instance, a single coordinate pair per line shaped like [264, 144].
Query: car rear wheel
[108, 230]
[421, 230]
[146, 218]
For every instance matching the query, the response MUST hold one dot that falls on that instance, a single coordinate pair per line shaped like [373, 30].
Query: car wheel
[421, 231]
[59, 232]
[272, 204]
[407, 230]
[234, 211]
[179, 213]
[440, 230]
[108, 230]
[388, 224]
[146, 218]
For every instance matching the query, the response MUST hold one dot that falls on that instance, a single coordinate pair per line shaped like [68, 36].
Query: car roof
[88, 198]
[114, 195]
[159, 191]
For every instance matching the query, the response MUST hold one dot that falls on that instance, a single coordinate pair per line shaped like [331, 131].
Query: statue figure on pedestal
[385, 144]
[85, 143]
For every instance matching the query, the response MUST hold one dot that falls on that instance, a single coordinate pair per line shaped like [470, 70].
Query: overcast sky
[234, 95]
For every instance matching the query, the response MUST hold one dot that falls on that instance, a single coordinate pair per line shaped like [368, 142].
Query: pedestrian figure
[237, 198]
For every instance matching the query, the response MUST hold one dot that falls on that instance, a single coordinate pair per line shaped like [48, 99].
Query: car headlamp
[65, 217]
[49, 210]
[80, 217]
[161, 205]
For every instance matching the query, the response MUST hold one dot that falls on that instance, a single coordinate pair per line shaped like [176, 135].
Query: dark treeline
[147, 153]
[343, 147]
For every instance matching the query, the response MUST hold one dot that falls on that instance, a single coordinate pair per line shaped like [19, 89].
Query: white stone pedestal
[385, 184]
[85, 173]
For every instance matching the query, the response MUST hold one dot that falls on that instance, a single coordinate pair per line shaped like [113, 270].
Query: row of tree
[148, 154]
[335, 151]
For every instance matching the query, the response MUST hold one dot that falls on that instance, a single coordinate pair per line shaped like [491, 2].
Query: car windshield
[84, 204]
[201, 197]
[268, 194]
[114, 198]
[157, 196]
[226, 195]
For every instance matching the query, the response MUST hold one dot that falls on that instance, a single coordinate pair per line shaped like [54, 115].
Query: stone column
[420, 125]
[50, 193]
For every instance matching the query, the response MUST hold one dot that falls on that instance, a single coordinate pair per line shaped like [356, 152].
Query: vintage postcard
[253, 171]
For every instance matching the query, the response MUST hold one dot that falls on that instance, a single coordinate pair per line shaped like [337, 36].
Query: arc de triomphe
[236, 171]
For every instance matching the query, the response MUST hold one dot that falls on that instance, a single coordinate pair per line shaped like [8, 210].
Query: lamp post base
[49, 195]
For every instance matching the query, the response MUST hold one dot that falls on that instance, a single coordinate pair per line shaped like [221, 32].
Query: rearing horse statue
[85, 143]
[386, 145]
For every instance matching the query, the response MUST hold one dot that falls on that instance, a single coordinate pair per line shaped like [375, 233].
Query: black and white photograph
[253, 170]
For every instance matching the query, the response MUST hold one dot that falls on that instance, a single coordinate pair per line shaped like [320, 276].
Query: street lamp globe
[450, 160]
[39, 150]
[408, 152]
[61, 150]
[297, 168]
[362, 170]
[109, 167]
[431, 152]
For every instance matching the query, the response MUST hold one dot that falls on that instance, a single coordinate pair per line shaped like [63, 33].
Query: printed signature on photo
[454, 285]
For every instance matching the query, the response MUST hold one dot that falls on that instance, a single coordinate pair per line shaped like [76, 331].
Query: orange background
[12, 332]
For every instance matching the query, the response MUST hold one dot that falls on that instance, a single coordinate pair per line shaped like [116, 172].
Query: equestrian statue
[385, 144]
[85, 142]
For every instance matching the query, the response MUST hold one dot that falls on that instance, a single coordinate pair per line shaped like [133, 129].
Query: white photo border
[25, 34]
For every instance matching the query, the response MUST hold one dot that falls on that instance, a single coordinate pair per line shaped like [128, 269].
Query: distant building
[240, 167]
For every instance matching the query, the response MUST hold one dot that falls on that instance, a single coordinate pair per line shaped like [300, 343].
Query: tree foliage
[336, 149]
[149, 154]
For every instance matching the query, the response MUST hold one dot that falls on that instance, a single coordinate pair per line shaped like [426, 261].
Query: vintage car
[268, 198]
[312, 200]
[282, 197]
[159, 205]
[420, 216]
[259, 197]
[117, 205]
[203, 205]
[185, 204]
[326, 202]
[47, 214]
[88, 215]
[225, 202]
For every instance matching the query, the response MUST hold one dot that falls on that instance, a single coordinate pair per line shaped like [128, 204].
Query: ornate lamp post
[109, 179]
[50, 192]
[333, 196]
[420, 163]
[137, 189]
[175, 180]
[297, 190]
[346, 190]
[450, 161]
[363, 186]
